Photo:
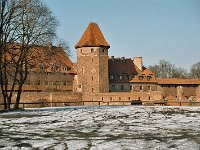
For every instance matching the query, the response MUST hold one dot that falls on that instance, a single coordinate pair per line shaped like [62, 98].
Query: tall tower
[92, 61]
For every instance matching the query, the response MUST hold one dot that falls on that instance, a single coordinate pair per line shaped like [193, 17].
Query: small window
[110, 98]
[113, 87]
[122, 87]
[28, 82]
[149, 88]
[140, 77]
[81, 50]
[120, 77]
[92, 78]
[148, 78]
[92, 50]
[149, 98]
[92, 90]
[130, 87]
[129, 98]
[119, 98]
[101, 98]
[103, 51]
[129, 77]
[79, 86]
[141, 88]
[111, 77]
[38, 82]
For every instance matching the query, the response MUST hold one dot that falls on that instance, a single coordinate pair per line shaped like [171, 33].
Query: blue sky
[153, 29]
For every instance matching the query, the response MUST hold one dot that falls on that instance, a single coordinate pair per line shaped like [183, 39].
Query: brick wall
[111, 98]
[92, 67]
[38, 97]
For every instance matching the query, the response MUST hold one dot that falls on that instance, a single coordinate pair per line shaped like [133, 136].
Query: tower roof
[92, 37]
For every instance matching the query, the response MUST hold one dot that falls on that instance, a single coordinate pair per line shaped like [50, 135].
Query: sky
[152, 29]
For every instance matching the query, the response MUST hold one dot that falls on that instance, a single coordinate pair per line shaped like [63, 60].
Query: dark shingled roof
[92, 37]
[126, 67]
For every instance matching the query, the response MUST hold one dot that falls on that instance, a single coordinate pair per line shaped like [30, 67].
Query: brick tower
[92, 61]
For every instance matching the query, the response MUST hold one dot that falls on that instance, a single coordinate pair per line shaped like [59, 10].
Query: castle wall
[178, 91]
[198, 93]
[120, 98]
[64, 99]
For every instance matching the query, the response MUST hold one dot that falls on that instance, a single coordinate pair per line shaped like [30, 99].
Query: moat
[105, 127]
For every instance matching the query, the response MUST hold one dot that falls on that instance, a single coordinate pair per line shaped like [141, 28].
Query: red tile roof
[92, 37]
[177, 81]
[44, 57]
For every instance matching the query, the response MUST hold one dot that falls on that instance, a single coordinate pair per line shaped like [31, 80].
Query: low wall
[119, 98]
[43, 99]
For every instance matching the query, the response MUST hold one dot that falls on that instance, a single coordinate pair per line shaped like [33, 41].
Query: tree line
[165, 69]
[23, 25]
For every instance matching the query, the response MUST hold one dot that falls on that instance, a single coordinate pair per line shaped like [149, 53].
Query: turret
[92, 61]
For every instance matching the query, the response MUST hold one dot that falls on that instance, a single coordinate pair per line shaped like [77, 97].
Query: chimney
[138, 62]
[113, 58]
[123, 59]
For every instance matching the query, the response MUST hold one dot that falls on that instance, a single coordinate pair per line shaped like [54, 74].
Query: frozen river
[125, 127]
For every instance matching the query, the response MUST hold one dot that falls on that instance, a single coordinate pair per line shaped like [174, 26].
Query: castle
[97, 79]
[109, 80]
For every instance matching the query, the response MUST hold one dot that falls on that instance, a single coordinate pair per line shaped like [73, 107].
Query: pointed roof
[92, 37]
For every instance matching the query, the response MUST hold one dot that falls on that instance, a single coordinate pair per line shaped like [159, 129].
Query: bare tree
[164, 69]
[195, 71]
[23, 24]
[65, 46]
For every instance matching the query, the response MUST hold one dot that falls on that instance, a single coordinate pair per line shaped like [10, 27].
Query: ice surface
[99, 128]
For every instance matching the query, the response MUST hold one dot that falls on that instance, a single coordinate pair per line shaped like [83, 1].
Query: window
[129, 77]
[149, 98]
[113, 87]
[111, 77]
[102, 50]
[130, 87]
[149, 88]
[28, 82]
[122, 87]
[140, 77]
[119, 98]
[129, 98]
[79, 86]
[141, 88]
[110, 98]
[42, 66]
[120, 77]
[92, 78]
[92, 90]
[92, 50]
[38, 82]
[148, 78]
[64, 68]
